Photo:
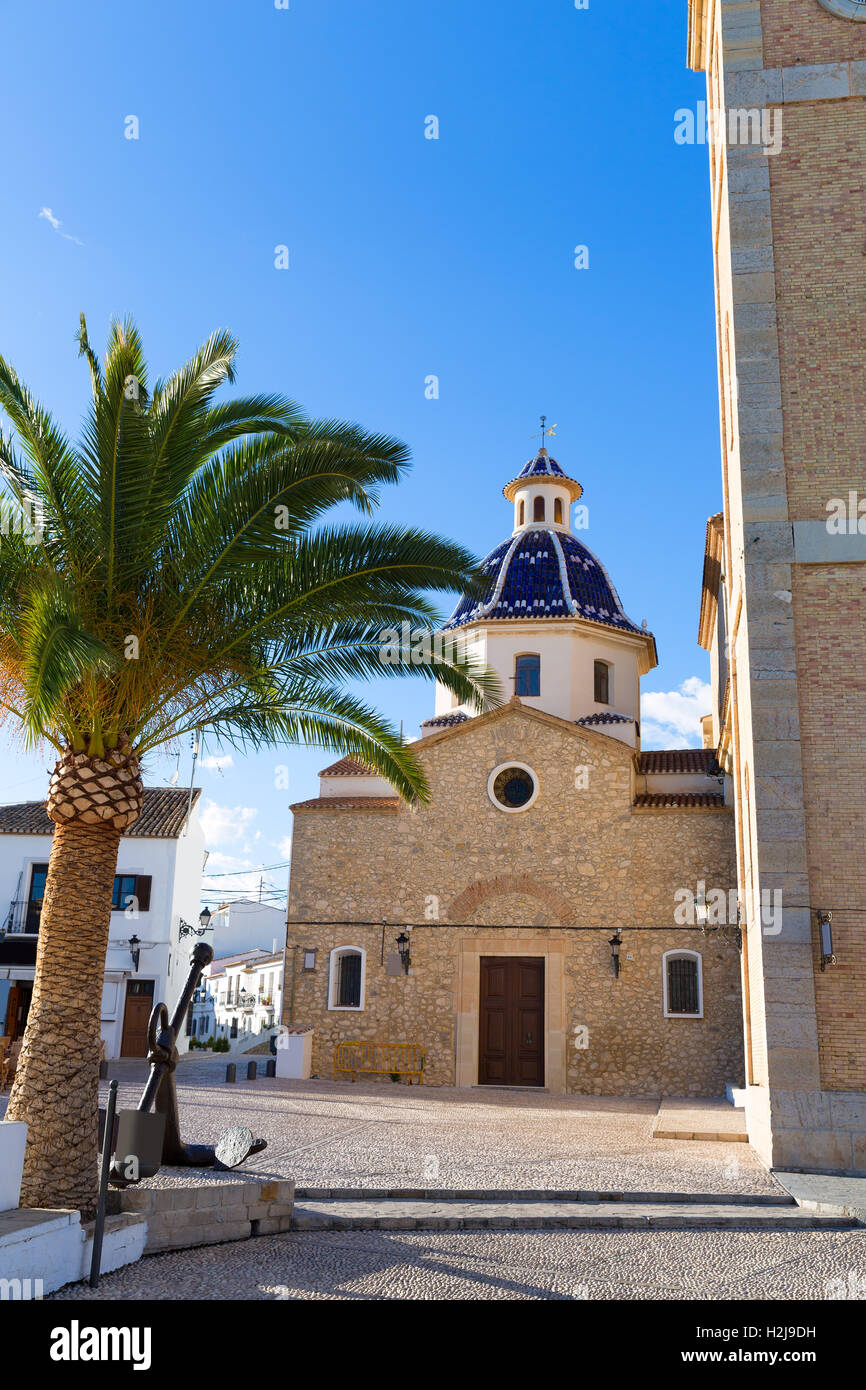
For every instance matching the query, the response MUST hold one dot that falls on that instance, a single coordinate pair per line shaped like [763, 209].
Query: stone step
[405, 1215]
[534, 1194]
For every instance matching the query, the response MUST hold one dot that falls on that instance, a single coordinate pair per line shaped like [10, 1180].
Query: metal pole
[99, 1226]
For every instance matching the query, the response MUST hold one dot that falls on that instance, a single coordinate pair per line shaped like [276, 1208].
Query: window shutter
[142, 891]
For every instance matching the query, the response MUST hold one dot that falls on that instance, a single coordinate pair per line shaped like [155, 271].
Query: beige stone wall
[493, 883]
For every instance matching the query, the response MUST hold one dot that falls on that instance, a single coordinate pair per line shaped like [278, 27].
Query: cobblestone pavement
[325, 1133]
[489, 1265]
[336, 1134]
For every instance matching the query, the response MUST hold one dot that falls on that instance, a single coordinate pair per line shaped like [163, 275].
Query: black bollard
[251, 1071]
[99, 1224]
[231, 1072]
[271, 1067]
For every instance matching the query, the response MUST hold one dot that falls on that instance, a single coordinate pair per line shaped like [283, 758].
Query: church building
[535, 923]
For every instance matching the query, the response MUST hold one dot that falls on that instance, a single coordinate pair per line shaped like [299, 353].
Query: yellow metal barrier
[379, 1059]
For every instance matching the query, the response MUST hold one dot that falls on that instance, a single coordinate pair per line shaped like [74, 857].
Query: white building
[245, 998]
[154, 920]
[246, 925]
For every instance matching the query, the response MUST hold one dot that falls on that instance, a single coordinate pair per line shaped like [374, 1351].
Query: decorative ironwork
[186, 929]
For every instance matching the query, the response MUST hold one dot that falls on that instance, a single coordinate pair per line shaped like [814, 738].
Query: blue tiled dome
[542, 468]
[543, 573]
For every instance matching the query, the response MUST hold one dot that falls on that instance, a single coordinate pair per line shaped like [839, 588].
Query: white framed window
[602, 676]
[683, 984]
[512, 787]
[347, 978]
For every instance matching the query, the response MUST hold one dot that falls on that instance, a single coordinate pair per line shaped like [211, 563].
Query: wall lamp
[135, 952]
[615, 944]
[403, 948]
[825, 928]
[204, 922]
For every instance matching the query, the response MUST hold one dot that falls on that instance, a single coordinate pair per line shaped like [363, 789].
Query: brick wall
[818, 197]
[802, 31]
[830, 604]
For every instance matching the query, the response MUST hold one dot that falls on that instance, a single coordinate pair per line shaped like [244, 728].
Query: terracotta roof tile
[348, 767]
[677, 760]
[348, 803]
[163, 813]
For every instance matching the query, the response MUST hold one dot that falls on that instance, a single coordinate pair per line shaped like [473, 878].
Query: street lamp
[403, 948]
[204, 918]
[135, 952]
[615, 944]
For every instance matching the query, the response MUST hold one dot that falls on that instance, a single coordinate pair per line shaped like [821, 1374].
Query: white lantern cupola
[542, 495]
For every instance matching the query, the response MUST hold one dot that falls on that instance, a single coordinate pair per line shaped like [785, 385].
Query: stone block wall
[554, 881]
[182, 1216]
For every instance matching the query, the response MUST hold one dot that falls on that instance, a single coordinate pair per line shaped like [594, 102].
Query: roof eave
[711, 580]
[574, 488]
[698, 35]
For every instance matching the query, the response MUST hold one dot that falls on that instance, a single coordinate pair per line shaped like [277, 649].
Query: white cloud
[55, 222]
[225, 823]
[229, 877]
[672, 718]
[284, 848]
[214, 764]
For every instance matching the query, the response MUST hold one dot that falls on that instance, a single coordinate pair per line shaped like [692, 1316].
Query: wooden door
[13, 1010]
[511, 1043]
[139, 1003]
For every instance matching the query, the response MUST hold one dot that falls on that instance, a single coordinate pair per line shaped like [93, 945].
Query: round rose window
[512, 787]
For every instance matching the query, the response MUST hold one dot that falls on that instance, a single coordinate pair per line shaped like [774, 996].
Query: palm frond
[59, 653]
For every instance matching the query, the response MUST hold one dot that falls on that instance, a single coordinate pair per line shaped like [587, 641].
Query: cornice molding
[698, 56]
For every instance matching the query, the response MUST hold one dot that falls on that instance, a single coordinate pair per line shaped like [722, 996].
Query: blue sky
[409, 257]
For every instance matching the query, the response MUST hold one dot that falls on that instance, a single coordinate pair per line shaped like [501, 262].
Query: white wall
[175, 869]
[568, 654]
[247, 926]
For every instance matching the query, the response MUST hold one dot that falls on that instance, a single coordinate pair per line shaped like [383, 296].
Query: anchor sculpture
[146, 1140]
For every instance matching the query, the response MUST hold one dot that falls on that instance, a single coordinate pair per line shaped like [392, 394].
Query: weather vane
[545, 431]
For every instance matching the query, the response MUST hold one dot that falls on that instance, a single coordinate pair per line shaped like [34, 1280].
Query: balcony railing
[22, 917]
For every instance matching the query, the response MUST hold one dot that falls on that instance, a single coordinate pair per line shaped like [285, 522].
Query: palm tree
[183, 581]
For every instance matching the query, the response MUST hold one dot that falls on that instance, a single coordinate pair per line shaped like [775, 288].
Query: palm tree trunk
[91, 800]
[57, 1078]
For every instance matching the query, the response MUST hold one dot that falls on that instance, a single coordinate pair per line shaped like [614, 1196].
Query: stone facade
[553, 881]
[791, 307]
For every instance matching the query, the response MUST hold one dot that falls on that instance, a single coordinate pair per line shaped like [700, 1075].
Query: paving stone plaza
[374, 1137]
